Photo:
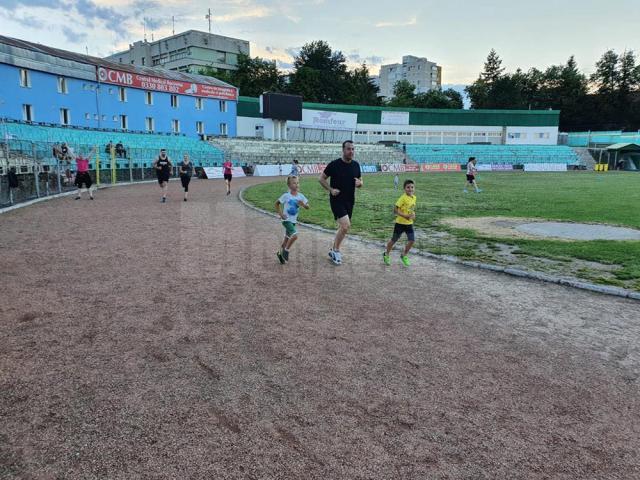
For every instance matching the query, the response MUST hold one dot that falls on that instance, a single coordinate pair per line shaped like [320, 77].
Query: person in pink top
[228, 174]
[82, 174]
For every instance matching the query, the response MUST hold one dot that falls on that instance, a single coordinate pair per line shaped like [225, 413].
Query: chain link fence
[31, 170]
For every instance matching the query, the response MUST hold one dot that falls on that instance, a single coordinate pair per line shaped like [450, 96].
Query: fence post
[59, 178]
[113, 166]
[130, 167]
[97, 168]
[36, 173]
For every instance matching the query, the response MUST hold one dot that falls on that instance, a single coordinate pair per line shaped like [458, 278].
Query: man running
[163, 166]
[345, 178]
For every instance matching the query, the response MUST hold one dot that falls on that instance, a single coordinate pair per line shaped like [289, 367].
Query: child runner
[471, 175]
[185, 168]
[228, 174]
[287, 207]
[162, 164]
[405, 215]
[396, 181]
[82, 174]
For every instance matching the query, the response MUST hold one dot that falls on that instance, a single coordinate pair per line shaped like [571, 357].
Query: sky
[455, 34]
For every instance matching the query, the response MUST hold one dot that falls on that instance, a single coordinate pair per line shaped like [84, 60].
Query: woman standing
[82, 174]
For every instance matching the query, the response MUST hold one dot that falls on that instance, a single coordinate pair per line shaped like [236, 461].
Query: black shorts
[228, 176]
[340, 208]
[185, 179]
[471, 178]
[85, 178]
[399, 229]
[163, 177]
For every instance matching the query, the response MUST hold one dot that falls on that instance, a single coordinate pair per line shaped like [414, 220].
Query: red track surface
[164, 341]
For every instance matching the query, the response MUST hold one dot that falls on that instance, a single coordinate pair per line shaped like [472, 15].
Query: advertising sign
[134, 80]
[321, 120]
[440, 167]
[545, 167]
[217, 172]
[394, 118]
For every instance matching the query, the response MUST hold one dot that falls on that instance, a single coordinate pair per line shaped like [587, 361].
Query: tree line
[609, 99]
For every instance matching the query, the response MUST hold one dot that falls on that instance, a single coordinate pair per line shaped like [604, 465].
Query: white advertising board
[395, 118]
[545, 167]
[217, 172]
[322, 120]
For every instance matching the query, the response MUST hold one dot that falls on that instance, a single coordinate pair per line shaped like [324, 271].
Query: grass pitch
[610, 198]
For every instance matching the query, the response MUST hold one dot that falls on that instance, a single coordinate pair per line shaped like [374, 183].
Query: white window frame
[200, 127]
[65, 112]
[62, 85]
[124, 122]
[199, 103]
[175, 101]
[223, 106]
[122, 94]
[224, 129]
[148, 97]
[25, 78]
[27, 108]
[175, 125]
[150, 124]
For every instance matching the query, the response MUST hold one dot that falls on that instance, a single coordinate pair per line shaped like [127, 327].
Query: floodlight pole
[208, 17]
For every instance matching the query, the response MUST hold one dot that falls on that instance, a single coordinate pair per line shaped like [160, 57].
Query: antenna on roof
[144, 28]
[173, 23]
[86, 48]
[208, 17]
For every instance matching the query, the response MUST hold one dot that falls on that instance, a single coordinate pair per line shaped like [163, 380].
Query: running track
[148, 341]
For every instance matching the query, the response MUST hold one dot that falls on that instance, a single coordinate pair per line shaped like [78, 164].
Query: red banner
[311, 168]
[134, 80]
[440, 167]
[412, 167]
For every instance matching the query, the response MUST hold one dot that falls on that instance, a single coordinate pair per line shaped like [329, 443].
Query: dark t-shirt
[188, 168]
[342, 176]
[163, 163]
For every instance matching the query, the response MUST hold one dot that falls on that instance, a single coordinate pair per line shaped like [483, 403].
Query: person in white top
[471, 175]
[288, 206]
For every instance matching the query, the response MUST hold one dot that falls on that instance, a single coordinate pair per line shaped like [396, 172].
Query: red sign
[134, 80]
[412, 167]
[311, 169]
[440, 167]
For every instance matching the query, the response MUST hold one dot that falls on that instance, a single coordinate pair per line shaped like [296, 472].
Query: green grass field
[611, 198]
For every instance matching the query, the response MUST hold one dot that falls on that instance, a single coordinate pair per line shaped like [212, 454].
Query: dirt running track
[148, 341]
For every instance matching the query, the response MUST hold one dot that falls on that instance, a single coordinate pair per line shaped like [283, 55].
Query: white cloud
[412, 21]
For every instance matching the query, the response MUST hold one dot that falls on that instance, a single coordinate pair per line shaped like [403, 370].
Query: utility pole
[208, 17]
[173, 23]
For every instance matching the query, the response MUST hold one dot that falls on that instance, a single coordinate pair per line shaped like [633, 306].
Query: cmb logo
[113, 76]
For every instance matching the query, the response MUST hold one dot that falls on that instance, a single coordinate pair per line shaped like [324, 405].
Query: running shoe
[478, 191]
[405, 260]
[90, 198]
[338, 257]
[77, 198]
[229, 193]
[386, 258]
[164, 200]
[465, 191]
[333, 255]
[185, 199]
[285, 255]
[280, 257]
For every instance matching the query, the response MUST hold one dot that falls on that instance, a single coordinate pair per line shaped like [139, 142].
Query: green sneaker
[280, 257]
[386, 258]
[405, 260]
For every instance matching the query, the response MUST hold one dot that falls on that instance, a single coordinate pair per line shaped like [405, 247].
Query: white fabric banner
[217, 172]
[271, 170]
[324, 120]
[545, 167]
[394, 118]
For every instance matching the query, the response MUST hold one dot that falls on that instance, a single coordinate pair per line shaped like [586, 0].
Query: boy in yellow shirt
[405, 215]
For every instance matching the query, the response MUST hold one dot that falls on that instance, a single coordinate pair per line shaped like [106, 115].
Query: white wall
[532, 136]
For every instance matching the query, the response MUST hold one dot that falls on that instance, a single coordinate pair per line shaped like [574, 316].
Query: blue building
[44, 85]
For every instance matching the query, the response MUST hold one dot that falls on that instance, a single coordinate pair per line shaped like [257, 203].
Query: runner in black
[345, 178]
[162, 164]
[185, 168]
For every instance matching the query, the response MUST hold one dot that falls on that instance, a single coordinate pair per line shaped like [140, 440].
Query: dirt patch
[504, 227]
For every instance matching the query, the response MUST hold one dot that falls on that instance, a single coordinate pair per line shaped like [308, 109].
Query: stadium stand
[36, 142]
[259, 152]
[595, 139]
[492, 154]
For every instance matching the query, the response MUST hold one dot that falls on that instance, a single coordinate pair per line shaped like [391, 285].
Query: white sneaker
[338, 257]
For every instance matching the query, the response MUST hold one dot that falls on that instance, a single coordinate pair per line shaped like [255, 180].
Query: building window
[199, 104]
[65, 116]
[223, 106]
[223, 129]
[115, 118]
[200, 127]
[87, 116]
[148, 98]
[123, 122]
[122, 94]
[149, 124]
[175, 126]
[27, 113]
[25, 78]
[142, 61]
[62, 85]
[110, 91]
[174, 101]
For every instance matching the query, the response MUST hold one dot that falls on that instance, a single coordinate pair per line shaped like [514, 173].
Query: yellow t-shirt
[406, 205]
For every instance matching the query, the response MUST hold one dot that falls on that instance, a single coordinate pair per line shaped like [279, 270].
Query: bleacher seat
[493, 154]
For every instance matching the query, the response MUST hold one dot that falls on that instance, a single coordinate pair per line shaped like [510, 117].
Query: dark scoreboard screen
[280, 106]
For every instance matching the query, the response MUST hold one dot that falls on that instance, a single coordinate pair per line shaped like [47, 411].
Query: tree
[607, 76]
[252, 77]
[362, 90]
[480, 91]
[403, 94]
[493, 69]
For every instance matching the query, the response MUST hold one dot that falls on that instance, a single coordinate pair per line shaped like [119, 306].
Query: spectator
[295, 169]
[57, 151]
[67, 156]
[120, 150]
[108, 147]
[13, 182]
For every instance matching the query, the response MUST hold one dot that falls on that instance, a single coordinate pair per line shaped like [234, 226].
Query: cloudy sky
[456, 34]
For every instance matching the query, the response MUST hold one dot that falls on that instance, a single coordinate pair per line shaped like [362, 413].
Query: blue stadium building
[48, 86]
